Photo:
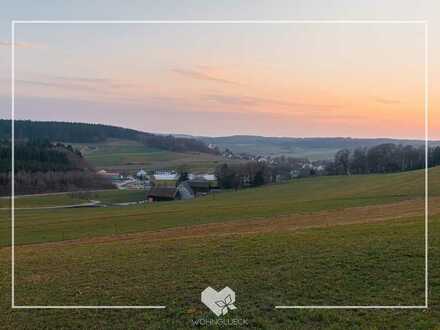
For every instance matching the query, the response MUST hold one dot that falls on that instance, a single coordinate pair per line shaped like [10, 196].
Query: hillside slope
[355, 240]
[84, 132]
[312, 148]
[301, 196]
[42, 167]
[129, 156]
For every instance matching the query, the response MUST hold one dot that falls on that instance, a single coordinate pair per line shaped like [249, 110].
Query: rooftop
[163, 192]
[166, 176]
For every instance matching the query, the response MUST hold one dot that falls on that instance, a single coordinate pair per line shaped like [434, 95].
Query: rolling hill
[41, 167]
[92, 133]
[312, 148]
[296, 197]
[329, 240]
[339, 240]
[119, 149]
[128, 156]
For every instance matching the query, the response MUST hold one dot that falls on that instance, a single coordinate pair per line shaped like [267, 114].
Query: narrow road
[89, 204]
[57, 193]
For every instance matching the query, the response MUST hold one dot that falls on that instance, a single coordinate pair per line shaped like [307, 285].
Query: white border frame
[14, 22]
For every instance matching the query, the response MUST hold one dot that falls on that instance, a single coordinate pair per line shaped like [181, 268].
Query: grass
[258, 146]
[61, 199]
[41, 201]
[338, 262]
[126, 155]
[357, 264]
[377, 263]
[297, 197]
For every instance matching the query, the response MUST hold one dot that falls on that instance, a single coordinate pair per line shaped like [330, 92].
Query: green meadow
[296, 197]
[342, 240]
[74, 198]
[127, 155]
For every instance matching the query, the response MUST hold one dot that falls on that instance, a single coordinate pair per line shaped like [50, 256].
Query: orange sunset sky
[358, 80]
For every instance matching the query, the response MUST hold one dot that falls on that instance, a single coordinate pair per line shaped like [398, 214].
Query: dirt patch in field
[36, 278]
[355, 215]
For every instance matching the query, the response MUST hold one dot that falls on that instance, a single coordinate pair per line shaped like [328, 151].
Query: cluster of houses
[272, 160]
[165, 185]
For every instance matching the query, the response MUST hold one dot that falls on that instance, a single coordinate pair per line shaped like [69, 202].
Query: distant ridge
[315, 147]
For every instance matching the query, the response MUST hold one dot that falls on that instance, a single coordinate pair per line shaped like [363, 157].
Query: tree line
[39, 155]
[91, 133]
[42, 166]
[257, 173]
[383, 158]
[43, 182]
[234, 176]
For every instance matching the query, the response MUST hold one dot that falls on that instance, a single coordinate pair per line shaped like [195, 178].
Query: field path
[56, 193]
[72, 206]
[355, 215]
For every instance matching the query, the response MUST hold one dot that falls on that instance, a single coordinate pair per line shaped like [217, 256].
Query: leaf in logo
[219, 302]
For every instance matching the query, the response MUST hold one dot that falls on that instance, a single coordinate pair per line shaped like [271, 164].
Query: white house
[209, 177]
[141, 174]
[165, 178]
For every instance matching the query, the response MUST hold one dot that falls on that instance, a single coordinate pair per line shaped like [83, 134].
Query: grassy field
[329, 240]
[311, 148]
[258, 145]
[297, 197]
[125, 155]
[62, 199]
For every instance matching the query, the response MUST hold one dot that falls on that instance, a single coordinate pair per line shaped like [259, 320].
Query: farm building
[199, 186]
[185, 190]
[211, 178]
[163, 194]
[114, 176]
[168, 179]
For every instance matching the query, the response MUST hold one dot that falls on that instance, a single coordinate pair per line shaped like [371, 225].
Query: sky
[299, 80]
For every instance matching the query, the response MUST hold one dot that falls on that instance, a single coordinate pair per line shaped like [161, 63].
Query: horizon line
[194, 135]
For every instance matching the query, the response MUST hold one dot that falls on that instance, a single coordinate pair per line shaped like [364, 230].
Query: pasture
[327, 240]
[64, 199]
[126, 155]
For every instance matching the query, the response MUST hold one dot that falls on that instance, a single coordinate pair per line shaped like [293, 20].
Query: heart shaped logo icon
[219, 302]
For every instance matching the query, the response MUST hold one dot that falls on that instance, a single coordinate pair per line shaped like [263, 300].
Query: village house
[165, 178]
[185, 190]
[114, 176]
[165, 186]
[210, 178]
[200, 186]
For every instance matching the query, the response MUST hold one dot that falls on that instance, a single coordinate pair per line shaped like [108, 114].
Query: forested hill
[42, 167]
[89, 133]
[41, 156]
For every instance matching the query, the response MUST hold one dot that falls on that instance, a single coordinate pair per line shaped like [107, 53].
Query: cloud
[97, 82]
[69, 86]
[20, 44]
[234, 100]
[251, 101]
[387, 101]
[85, 88]
[83, 79]
[78, 83]
[203, 74]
